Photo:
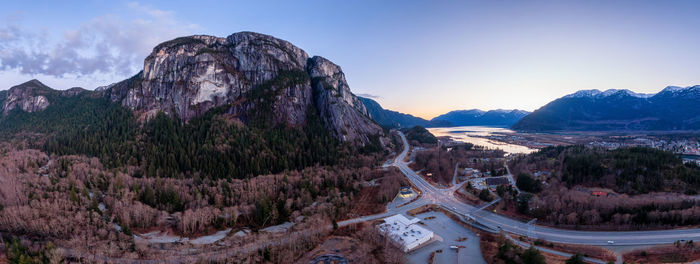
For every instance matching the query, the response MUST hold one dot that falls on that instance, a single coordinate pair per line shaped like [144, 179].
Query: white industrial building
[405, 232]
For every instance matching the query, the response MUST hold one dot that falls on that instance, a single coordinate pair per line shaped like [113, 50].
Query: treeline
[218, 148]
[441, 164]
[213, 146]
[420, 135]
[80, 193]
[651, 188]
[632, 170]
[573, 208]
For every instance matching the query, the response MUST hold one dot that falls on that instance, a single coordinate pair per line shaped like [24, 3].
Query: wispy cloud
[366, 95]
[107, 44]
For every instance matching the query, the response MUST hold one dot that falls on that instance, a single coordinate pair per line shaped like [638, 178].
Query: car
[611, 242]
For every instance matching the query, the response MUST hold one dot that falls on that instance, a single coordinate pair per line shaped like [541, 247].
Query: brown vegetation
[560, 206]
[681, 252]
[640, 189]
[80, 206]
[588, 251]
[359, 243]
[467, 155]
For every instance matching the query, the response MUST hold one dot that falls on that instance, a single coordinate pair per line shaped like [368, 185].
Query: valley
[247, 149]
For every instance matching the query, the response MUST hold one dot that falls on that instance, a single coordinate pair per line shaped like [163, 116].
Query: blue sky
[419, 57]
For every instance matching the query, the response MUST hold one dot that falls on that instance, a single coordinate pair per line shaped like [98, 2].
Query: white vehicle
[611, 242]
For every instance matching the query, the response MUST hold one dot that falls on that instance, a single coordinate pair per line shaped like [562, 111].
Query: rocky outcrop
[256, 78]
[73, 92]
[188, 76]
[341, 110]
[29, 97]
[247, 73]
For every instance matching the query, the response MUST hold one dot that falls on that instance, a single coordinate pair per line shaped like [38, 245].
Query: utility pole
[530, 228]
[439, 162]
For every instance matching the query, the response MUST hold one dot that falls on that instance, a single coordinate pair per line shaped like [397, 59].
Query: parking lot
[450, 232]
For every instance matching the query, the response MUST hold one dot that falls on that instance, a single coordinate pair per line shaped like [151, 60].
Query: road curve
[445, 197]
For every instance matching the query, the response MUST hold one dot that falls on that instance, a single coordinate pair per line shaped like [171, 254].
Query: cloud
[108, 44]
[366, 95]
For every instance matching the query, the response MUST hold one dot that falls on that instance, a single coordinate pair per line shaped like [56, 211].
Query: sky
[419, 57]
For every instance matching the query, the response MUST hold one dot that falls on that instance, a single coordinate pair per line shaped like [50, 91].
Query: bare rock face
[341, 110]
[29, 96]
[246, 72]
[73, 92]
[257, 78]
[190, 75]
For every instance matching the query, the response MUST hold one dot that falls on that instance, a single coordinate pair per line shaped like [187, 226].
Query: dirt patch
[551, 258]
[347, 247]
[422, 209]
[679, 253]
[358, 243]
[587, 251]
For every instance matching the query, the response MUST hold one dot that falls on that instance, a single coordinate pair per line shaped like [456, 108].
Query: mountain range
[389, 118]
[261, 80]
[673, 108]
[474, 117]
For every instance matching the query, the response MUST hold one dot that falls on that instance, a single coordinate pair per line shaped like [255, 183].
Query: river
[477, 135]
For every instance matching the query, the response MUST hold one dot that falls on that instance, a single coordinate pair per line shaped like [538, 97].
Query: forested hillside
[595, 188]
[222, 145]
[633, 170]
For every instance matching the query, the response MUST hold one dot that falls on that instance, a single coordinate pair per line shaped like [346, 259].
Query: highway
[444, 197]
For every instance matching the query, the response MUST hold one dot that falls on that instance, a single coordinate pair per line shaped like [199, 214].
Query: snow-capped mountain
[673, 108]
[476, 117]
[597, 93]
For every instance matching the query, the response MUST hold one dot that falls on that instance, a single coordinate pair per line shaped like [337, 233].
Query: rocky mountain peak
[330, 77]
[187, 76]
[340, 109]
[257, 78]
[30, 96]
[676, 91]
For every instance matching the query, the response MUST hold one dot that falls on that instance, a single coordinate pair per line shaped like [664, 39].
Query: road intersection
[445, 198]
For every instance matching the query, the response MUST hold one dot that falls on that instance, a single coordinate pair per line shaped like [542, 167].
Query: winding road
[444, 197]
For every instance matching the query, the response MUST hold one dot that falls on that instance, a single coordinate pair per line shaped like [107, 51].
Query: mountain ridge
[477, 117]
[390, 118]
[673, 108]
[255, 77]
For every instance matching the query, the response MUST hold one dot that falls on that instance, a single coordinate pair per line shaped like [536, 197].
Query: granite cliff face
[254, 77]
[341, 110]
[29, 97]
[188, 76]
[244, 72]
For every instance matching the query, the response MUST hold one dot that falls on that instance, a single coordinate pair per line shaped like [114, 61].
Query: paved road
[444, 197]
[510, 178]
